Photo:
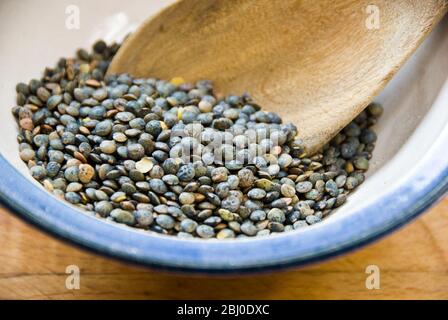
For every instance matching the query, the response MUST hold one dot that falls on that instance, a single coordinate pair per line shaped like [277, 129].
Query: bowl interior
[410, 124]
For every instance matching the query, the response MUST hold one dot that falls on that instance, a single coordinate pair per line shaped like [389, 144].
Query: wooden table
[413, 264]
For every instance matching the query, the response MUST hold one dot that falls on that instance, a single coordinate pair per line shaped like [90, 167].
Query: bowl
[409, 168]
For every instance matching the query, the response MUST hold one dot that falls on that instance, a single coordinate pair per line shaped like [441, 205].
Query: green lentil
[110, 145]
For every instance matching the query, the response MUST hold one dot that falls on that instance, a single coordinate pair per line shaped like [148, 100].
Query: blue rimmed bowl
[409, 169]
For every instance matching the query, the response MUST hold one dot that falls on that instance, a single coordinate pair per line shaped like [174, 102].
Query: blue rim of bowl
[397, 206]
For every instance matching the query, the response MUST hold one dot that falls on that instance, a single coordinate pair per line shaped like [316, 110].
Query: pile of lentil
[142, 152]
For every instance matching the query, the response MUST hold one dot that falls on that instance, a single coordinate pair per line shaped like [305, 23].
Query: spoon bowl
[316, 63]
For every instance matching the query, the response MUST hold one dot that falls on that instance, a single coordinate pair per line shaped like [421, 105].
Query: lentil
[143, 152]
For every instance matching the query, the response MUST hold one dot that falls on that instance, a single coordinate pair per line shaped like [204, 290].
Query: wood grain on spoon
[316, 63]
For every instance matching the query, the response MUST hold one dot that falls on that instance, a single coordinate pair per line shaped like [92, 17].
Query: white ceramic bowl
[408, 170]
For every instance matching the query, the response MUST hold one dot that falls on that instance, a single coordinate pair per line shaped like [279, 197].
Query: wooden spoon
[316, 63]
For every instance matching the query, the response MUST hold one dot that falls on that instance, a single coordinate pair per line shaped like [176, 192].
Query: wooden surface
[413, 263]
[316, 63]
